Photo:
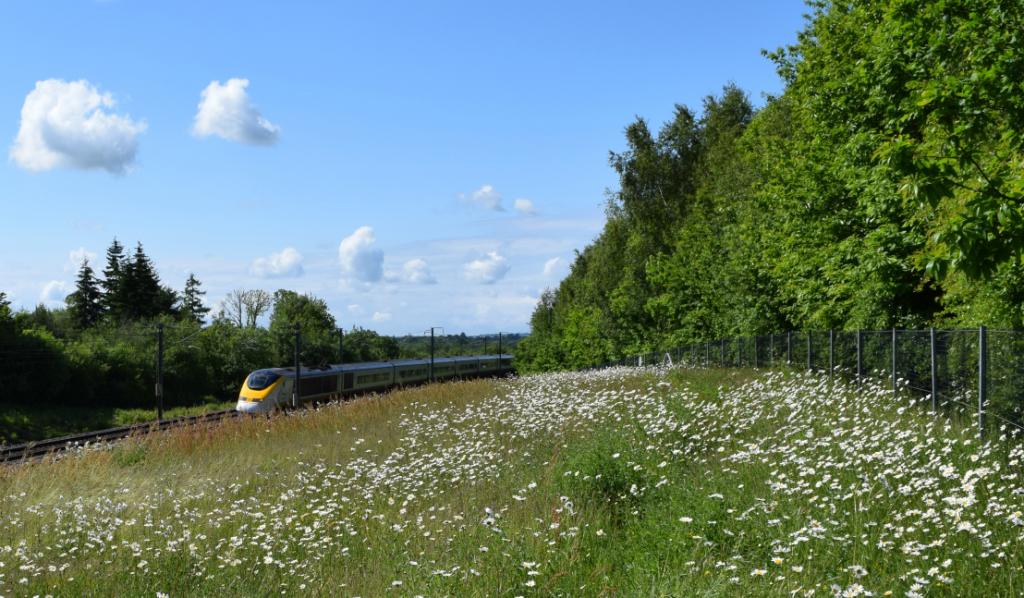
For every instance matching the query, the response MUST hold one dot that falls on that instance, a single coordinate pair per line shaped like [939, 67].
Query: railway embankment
[626, 481]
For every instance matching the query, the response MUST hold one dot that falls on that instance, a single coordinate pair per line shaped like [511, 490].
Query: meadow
[621, 482]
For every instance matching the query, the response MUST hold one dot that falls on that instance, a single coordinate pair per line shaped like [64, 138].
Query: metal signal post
[298, 367]
[159, 372]
[432, 329]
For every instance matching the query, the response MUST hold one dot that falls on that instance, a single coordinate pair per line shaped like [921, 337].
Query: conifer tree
[192, 307]
[86, 309]
[139, 287]
[113, 300]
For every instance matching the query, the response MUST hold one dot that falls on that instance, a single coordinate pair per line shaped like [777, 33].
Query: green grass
[21, 423]
[624, 483]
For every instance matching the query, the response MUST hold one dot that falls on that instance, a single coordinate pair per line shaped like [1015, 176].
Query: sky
[413, 164]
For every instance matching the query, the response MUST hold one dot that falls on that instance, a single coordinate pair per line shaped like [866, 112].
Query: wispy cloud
[551, 265]
[525, 206]
[486, 197]
[76, 257]
[414, 271]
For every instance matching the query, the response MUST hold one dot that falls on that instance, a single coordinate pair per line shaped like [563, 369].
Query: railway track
[37, 450]
[34, 451]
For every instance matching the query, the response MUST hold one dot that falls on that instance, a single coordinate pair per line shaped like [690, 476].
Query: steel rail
[42, 448]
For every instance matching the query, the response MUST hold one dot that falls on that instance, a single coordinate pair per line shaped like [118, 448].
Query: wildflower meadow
[621, 482]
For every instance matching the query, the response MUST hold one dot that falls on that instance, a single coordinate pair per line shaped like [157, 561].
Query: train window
[261, 380]
[371, 378]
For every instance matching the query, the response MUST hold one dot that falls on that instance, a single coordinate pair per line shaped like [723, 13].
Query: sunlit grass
[622, 482]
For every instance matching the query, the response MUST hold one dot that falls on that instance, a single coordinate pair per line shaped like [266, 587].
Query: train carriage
[444, 368]
[272, 388]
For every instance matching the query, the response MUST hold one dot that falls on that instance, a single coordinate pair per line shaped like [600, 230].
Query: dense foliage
[882, 189]
[101, 350]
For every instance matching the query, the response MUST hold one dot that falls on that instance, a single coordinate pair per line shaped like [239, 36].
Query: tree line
[99, 349]
[883, 188]
[130, 291]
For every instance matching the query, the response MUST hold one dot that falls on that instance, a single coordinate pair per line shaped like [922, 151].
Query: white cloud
[381, 317]
[414, 271]
[226, 111]
[356, 310]
[358, 259]
[278, 265]
[550, 265]
[487, 197]
[486, 271]
[76, 257]
[63, 125]
[56, 290]
[525, 206]
[417, 272]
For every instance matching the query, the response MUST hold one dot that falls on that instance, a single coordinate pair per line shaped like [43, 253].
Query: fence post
[771, 352]
[982, 380]
[810, 364]
[159, 371]
[707, 355]
[894, 361]
[860, 345]
[831, 353]
[723, 352]
[298, 368]
[755, 352]
[739, 351]
[935, 377]
[789, 348]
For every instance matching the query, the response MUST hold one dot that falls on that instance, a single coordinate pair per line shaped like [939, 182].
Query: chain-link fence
[980, 369]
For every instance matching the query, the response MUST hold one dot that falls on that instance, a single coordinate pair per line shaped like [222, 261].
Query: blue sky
[375, 157]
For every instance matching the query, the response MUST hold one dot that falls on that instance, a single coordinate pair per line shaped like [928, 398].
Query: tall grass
[623, 482]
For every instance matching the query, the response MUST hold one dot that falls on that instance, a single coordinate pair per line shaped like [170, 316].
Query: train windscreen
[262, 379]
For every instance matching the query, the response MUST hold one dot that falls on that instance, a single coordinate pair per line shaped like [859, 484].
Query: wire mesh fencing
[980, 369]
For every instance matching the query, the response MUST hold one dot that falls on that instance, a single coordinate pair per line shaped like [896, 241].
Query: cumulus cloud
[278, 265]
[550, 265]
[417, 272]
[355, 309]
[489, 270]
[414, 272]
[525, 206]
[226, 111]
[56, 290]
[487, 197]
[76, 257]
[358, 259]
[381, 317]
[63, 125]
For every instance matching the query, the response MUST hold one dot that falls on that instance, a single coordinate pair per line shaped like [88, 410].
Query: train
[269, 389]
